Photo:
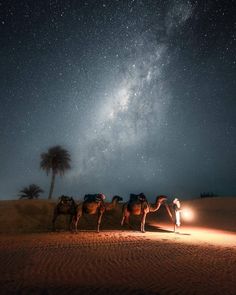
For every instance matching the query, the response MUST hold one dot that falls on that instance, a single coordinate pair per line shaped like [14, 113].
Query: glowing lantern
[187, 214]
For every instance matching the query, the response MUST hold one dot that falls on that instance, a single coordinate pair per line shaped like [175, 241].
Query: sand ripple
[113, 263]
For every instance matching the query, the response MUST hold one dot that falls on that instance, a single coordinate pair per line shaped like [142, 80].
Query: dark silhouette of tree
[30, 192]
[57, 161]
[208, 195]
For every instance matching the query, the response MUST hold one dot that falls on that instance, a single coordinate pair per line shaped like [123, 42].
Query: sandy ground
[201, 259]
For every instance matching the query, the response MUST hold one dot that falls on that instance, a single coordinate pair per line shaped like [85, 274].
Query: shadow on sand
[152, 228]
[182, 234]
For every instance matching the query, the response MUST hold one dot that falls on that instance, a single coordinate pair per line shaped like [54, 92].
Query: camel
[65, 206]
[93, 204]
[138, 205]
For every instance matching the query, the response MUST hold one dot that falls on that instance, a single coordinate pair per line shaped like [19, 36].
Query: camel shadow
[148, 228]
[162, 230]
[158, 229]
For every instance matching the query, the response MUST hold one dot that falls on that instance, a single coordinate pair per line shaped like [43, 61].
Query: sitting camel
[65, 206]
[138, 205]
[93, 204]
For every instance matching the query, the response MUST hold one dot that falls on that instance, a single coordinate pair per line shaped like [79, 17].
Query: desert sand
[201, 259]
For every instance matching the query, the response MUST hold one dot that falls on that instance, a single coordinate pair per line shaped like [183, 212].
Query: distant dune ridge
[201, 259]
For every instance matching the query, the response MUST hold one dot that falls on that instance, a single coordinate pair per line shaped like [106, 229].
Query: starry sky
[141, 93]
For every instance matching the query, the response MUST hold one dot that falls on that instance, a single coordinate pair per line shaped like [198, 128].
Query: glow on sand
[193, 235]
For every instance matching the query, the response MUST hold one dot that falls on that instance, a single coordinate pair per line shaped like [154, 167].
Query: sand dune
[199, 260]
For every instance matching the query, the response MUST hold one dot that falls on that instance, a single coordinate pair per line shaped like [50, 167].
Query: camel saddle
[94, 198]
[65, 200]
[140, 197]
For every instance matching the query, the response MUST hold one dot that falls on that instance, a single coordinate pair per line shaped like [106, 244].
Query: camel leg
[125, 215]
[127, 220]
[168, 211]
[123, 219]
[54, 221]
[71, 222]
[143, 222]
[76, 220]
[68, 222]
[100, 213]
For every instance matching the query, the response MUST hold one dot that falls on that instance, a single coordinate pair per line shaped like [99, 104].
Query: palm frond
[57, 160]
[32, 191]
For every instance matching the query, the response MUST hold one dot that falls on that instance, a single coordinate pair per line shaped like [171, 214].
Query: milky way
[141, 94]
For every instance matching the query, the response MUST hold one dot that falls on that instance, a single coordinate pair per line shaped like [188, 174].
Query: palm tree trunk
[52, 185]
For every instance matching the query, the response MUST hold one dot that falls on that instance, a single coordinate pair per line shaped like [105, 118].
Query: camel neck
[154, 207]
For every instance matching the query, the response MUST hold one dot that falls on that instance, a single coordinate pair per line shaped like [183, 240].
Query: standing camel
[138, 205]
[65, 206]
[93, 204]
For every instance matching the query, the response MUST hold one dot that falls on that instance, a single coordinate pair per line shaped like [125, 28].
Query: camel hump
[140, 197]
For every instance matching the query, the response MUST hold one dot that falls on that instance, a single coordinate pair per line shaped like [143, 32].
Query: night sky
[141, 93]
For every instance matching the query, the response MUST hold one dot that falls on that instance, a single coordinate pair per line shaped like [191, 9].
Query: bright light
[187, 214]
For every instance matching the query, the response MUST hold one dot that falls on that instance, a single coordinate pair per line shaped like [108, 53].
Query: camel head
[161, 199]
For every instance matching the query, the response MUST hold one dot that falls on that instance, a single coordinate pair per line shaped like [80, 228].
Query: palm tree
[30, 192]
[56, 160]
